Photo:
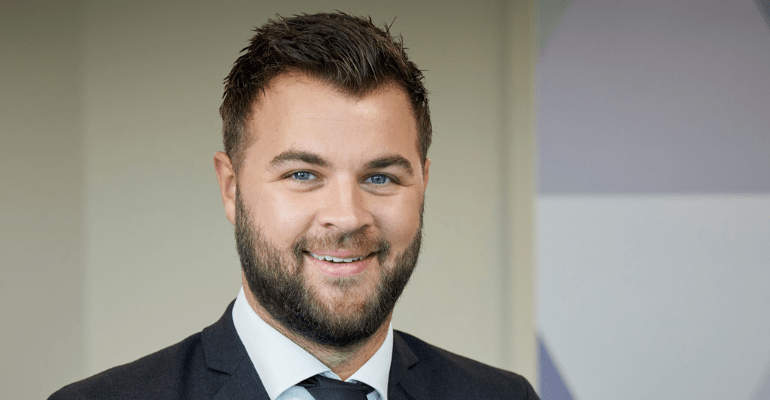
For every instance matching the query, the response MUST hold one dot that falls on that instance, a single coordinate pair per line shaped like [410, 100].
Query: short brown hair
[350, 53]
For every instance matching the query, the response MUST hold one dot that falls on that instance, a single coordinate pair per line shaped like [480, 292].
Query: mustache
[360, 242]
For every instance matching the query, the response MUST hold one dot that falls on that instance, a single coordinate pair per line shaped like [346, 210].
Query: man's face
[328, 207]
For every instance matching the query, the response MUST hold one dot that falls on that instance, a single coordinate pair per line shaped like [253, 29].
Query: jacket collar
[404, 383]
[224, 352]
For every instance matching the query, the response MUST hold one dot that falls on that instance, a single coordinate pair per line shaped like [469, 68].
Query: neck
[344, 361]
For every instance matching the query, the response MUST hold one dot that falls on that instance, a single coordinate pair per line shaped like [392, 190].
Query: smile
[335, 259]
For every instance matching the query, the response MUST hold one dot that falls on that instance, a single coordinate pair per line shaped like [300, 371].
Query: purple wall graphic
[552, 385]
[764, 8]
[763, 392]
[661, 97]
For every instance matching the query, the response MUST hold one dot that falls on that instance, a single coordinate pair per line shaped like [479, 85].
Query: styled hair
[350, 53]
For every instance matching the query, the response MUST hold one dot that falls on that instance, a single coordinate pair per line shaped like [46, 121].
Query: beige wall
[41, 202]
[117, 238]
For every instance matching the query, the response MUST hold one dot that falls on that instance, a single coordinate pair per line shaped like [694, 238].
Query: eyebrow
[389, 161]
[297, 155]
[314, 159]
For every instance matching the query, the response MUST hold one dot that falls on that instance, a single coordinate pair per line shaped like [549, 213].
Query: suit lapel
[403, 383]
[225, 353]
[243, 384]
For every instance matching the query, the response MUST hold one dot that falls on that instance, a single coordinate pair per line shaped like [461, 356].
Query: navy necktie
[323, 388]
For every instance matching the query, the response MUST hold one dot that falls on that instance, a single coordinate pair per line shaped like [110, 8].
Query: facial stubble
[276, 280]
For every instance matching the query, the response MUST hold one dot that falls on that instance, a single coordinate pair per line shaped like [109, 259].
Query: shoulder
[159, 375]
[455, 376]
[196, 367]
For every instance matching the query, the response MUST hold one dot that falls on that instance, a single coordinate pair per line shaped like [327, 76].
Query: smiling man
[326, 135]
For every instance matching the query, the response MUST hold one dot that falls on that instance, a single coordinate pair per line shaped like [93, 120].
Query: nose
[344, 209]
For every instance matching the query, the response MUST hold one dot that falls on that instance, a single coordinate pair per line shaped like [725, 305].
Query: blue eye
[303, 176]
[378, 179]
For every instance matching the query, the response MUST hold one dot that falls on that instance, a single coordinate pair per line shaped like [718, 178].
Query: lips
[341, 264]
[335, 259]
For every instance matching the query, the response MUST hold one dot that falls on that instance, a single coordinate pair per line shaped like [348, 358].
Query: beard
[275, 279]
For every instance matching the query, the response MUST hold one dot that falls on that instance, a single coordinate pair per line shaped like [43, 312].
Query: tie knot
[323, 388]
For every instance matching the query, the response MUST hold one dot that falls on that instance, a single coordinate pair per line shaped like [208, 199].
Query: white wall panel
[656, 296]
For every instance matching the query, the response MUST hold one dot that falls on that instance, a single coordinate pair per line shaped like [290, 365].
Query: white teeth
[335, 259]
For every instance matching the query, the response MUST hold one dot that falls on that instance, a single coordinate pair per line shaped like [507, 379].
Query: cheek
[399, 220]
[286, 215]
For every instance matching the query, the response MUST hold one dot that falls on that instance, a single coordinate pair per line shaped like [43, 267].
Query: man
[326, 135]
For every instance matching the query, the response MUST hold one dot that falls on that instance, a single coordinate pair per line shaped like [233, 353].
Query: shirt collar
[281, 363]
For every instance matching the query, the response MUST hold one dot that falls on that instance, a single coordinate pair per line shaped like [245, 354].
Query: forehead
[302, 113]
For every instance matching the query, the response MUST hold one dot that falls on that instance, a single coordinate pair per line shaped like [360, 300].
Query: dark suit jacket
[213, 364]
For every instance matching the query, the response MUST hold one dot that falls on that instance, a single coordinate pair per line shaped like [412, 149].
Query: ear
[228, 183]
[426, 174]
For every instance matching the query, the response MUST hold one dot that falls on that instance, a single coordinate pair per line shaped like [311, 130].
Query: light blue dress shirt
[281, 363]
